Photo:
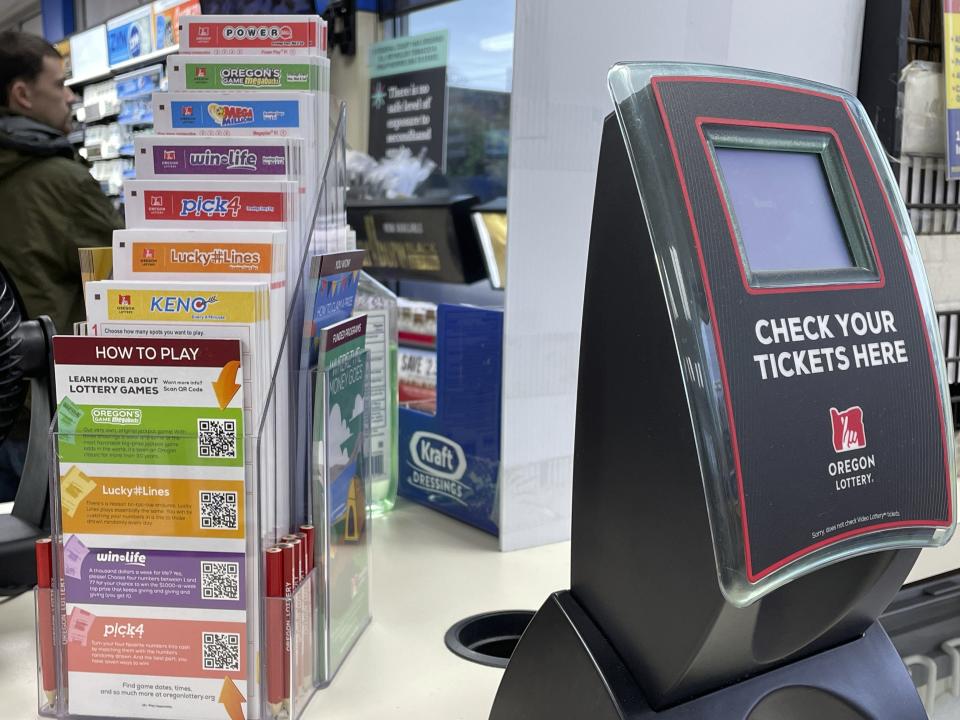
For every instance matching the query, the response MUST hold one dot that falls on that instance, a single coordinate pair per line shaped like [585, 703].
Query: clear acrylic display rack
[285, 647]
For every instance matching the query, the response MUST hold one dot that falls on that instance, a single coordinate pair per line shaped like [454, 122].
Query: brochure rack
[226, 645]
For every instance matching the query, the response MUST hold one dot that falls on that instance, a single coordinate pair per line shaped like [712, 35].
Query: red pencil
[288, 567]
[296, 629]
[308, 655]
[44, 550]
[297, 558]
[304, 553]
[311, 548]
[276, 665]
[45, 609]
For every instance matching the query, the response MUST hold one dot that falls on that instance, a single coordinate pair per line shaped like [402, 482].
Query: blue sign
[235, 113]
[128, 40]
[953, 143]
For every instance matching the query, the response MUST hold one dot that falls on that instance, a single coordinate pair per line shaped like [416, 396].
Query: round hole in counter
[488, 638]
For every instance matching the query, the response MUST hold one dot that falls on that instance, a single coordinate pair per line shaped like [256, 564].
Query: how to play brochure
[153, 492]
[116, 395]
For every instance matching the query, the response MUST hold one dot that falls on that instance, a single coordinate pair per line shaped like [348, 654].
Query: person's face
[45, 99]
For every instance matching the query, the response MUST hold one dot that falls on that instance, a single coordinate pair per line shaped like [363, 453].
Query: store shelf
[116, 109]
[136, 123]
[126, 65]
[145, 95]
[94, 116]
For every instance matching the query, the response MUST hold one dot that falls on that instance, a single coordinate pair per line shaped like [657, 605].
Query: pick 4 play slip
[200, 203]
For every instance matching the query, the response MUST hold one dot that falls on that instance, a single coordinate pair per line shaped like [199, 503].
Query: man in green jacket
[50, 205]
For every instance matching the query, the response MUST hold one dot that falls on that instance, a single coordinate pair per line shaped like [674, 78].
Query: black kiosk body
[761, 425]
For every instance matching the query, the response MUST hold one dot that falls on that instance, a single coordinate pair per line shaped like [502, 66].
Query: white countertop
[429, 571]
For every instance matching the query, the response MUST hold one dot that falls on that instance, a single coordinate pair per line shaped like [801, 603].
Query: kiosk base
[563, 667]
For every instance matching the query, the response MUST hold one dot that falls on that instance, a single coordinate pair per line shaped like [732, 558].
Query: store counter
[428, 572]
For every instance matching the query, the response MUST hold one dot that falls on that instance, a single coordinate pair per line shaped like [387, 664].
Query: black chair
[26, 362]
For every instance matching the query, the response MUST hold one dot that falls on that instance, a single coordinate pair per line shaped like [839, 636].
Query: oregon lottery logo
[257, 32]
[848, 432]
[216, 206]
[181, 304]
[230, 115]
[170, 155]
[200, 73]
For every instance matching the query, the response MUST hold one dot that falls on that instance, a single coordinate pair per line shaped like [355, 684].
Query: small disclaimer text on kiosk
[832, 357]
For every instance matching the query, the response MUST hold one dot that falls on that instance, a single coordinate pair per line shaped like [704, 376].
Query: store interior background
[527, 97]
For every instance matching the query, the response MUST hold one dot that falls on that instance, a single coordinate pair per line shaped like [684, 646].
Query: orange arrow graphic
[232, 699]
[226, 385]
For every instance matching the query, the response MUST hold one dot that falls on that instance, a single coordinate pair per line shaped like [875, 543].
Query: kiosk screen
[784, 210]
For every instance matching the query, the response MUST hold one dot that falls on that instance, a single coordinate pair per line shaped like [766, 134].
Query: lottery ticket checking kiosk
[762, 441]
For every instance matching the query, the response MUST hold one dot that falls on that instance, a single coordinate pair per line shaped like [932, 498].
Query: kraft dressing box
[450, 460]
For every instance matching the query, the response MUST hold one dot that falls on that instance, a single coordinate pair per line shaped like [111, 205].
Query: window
[479, 75]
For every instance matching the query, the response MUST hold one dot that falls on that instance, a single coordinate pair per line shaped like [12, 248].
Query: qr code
[216, 438]
[221, 651]
[218, 510]
[220, 580]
